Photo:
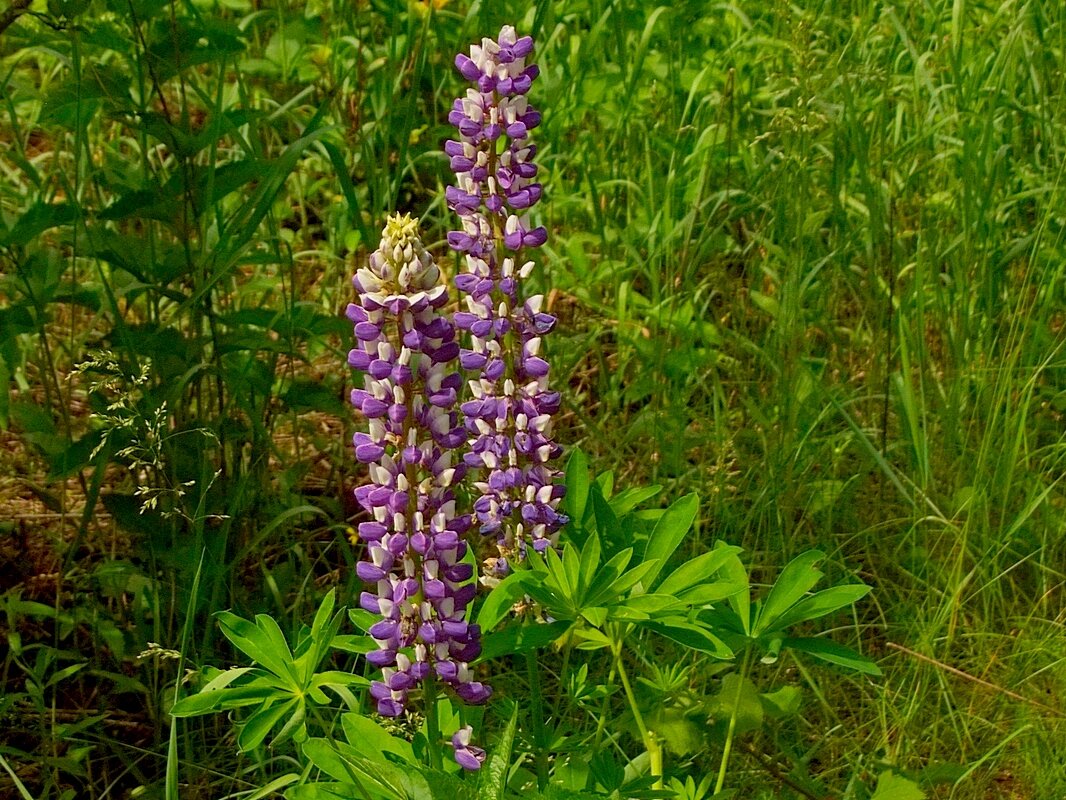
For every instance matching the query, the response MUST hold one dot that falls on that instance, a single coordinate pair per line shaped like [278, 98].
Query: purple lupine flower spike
[508, 420]
[414, 546]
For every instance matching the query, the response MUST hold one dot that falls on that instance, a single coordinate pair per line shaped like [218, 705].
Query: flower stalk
[414, 545]
[509, 418]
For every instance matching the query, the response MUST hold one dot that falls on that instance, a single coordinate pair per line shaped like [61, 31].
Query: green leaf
[785, 702]
[821, 603]
[257, 644]
[348, 188]
[353, 643]
[733, 570]
[36, 220]
[571, 572]
[766, 303]
[591, 639]
[668, 532]
[590, 560]
[710, 593]
[520, 638]
[606, 523]
[336, 677]
[262, 721]
[206, 702]
[596, 616]
[323, 791]
[601, 590]
[691, 635]
[492, 777]
[323, 629]
[697, 570]
[834, 653]
[73, 103]
[273, 787]
[639, 574]
[343, 763]
[279, 647]
[680, 733]
[625, 501]
[293, 727]
[374, 740]
[896, 787]
[645, 606]
[605, 484]
[795, 580]
[740, 698]
[577, 487]
[501, 600]
[555, 582]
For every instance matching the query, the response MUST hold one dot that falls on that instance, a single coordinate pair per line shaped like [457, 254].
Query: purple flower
[468, 756]
[508, 420]
[414, 545]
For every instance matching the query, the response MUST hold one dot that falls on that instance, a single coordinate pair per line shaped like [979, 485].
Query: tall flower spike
[414, 546]
[508, 421]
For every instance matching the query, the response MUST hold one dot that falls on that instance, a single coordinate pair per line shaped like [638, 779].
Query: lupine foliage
[806, 264]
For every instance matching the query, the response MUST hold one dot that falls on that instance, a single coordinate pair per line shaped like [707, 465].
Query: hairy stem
[651, 744]
[728, 748]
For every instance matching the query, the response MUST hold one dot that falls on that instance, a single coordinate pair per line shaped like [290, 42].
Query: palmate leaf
[795, 580]
[345, 764]
[570, 577]
[606, 522]
[412, 781]
[732, 570]
[668, 532]
[821, 603]
[896, 787]
[520, 639]
[697, 571]
[577, 488]
[830, 651]
[625, 501]
[256, 728]
[323, 791]
[501, 599]
[590, 561]
[209, 702]
[690, 634]
[253, 642]
[626, 581]
[373, 740]
[601, 588]
[645, 606]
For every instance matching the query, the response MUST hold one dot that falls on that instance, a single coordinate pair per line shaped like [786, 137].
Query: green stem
[601, 723]
[651, 744]
[537, 712]
[432, 724]
[728, 748]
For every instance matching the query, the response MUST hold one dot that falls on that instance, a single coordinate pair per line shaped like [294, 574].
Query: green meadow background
[807, 258]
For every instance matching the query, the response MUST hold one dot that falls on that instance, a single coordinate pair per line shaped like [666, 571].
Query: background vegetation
[808, 260]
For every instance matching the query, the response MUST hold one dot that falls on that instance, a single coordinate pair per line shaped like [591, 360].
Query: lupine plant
[573, 567]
